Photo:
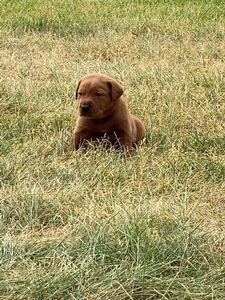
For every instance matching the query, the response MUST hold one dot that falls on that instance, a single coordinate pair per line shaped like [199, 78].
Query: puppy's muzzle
[85, 109]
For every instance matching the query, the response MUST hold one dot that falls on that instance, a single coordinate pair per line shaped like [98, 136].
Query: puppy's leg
[140, 131]
[124, 140]
[73, 144]
[79, 139]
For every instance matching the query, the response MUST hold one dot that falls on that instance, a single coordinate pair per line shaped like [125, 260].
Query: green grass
[100, 225]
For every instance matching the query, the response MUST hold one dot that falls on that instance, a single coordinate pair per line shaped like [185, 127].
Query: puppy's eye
[80, 94]
[98, 94]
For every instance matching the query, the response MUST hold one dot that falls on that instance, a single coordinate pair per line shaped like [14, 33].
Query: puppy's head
[96, 95]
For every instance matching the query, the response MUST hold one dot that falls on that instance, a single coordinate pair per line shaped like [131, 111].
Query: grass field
[97, 225]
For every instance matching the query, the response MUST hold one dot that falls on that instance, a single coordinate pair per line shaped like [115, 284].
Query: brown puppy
[104, 113]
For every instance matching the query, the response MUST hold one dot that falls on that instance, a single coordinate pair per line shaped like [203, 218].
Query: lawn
[98, 225]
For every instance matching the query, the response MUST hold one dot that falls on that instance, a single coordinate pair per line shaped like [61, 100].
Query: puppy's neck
[101, 120]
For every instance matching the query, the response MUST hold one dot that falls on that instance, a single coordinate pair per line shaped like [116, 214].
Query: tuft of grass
[143, 258]
[99, 225]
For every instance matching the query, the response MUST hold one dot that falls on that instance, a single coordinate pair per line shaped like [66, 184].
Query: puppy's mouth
[85, 114]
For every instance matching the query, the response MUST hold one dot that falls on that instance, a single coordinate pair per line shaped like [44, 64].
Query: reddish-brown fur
[103, 113]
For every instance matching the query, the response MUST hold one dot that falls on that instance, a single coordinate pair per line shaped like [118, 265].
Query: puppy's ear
[116, 89]
[78, 84]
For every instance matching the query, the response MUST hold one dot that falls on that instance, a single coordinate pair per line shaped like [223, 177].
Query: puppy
[103, 113]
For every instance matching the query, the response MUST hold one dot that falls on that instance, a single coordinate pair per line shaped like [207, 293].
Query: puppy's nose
[85, 108]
